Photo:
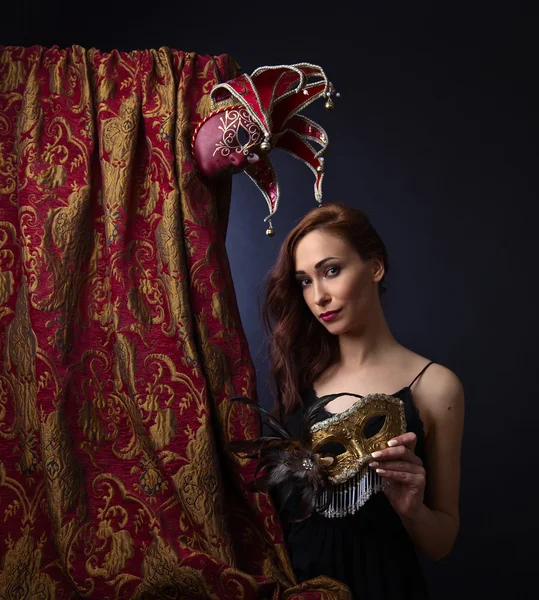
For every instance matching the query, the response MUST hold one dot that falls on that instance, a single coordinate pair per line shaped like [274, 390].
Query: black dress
[370, 551]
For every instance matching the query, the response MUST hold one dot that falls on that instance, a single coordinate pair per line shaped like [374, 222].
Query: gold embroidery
[121, 338]
[20, 379]
[216, 362]
[8, 169]
[135, 303]
[151, 481]
[63, 472]
[164, 428]
[31, 117]
[67, 229]
[198, 482]
[165, 578]
[117, 149]
[110, 546]
[7, 262]
[22, 573]
[119, 545]
[171, 265]
[90, 423]
[21, 570]
[15, 74]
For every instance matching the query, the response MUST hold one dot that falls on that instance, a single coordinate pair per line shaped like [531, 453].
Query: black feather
[287, 462]
[251, 448]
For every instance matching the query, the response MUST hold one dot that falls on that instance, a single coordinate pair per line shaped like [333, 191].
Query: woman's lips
[329, 315]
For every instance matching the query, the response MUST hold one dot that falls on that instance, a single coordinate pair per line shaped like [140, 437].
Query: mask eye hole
[331, 449]
[373, 426]
[243, 137]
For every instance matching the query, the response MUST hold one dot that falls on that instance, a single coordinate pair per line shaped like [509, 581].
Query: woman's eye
[304, 282]
[332, 271]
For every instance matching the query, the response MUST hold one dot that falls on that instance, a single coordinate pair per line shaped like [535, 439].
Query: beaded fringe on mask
[348, 497]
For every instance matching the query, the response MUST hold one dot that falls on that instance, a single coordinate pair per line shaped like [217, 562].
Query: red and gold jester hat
[251, 115]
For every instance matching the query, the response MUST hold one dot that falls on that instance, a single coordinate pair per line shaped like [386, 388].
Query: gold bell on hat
[329, 102]
[270, 231]
[265, 146]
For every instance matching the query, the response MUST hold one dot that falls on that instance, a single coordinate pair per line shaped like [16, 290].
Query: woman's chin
[335, 328]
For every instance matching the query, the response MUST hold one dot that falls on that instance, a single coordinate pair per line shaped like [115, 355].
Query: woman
[328, 335]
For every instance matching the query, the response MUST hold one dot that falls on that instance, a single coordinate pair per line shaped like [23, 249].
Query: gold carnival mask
[351, 437]
[327, 461]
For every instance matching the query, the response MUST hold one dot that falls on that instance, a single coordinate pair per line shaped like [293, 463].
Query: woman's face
[339, 287]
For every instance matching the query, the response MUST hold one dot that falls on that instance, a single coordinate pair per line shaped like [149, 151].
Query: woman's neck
[367, 344]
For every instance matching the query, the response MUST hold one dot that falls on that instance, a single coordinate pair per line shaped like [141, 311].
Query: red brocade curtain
[121, 342]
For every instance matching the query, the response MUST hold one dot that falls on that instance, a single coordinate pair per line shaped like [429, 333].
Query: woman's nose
[321, 297]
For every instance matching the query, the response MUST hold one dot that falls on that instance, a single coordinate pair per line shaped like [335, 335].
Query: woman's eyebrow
[318, 264]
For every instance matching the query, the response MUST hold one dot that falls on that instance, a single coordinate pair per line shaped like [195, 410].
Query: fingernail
[392, 443]
[380, 470]
[376, 454]
[373, 464]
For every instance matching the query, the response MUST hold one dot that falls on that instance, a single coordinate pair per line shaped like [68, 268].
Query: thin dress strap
[421, 373]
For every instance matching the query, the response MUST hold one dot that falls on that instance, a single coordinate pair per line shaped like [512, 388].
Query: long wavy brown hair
[300, 348]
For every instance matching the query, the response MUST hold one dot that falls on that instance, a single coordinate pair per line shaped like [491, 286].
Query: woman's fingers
[415, 479]
[398, 465]
[397, 453]
[408, 439]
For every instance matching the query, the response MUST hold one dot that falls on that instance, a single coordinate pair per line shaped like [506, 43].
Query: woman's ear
[378, 270]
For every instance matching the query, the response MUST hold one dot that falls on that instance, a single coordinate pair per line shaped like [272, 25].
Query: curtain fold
[121, 341]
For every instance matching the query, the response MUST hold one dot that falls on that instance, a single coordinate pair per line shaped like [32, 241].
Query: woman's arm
[426, 496]
[434, 529]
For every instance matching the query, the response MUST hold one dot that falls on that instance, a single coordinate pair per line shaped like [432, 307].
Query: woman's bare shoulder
[439, 388]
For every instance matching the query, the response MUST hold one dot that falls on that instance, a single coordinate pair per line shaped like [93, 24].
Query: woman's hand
[404, 471]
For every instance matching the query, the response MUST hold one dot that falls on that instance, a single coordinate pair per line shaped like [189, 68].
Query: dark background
[435, 136]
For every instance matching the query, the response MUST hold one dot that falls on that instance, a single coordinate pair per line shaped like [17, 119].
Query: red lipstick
[329, 315]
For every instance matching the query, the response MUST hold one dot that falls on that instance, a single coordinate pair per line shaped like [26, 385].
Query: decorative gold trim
[342, 427]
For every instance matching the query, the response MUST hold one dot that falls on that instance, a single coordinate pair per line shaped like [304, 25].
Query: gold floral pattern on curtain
[121, 341]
